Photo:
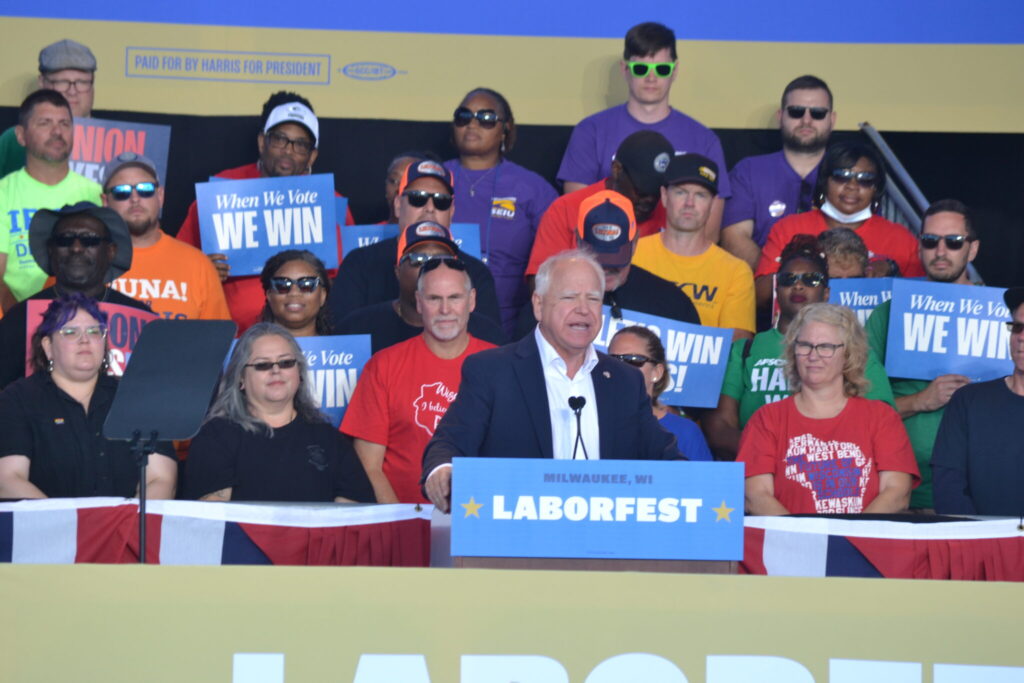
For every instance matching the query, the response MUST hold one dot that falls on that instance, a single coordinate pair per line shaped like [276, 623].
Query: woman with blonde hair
[826, 449]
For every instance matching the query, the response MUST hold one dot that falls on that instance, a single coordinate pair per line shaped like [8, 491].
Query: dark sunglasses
[1015, 327]
[419, 198]
[953, 242]
[487, 118]
[809, 279]
[266, 365]
[634, 359]
[817, 113]
[862, 178]
[87, 240]
[420, 259]
[434, 262]
[283, 285]
[124, 192]
[661, 69]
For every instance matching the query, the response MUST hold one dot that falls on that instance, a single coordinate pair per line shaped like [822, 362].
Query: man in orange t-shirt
[638, 171]
[177, 281]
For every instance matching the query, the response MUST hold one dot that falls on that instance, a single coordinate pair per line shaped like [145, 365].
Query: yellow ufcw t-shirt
[720, 285]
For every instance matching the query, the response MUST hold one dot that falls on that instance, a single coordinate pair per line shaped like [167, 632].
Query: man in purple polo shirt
[770, 186]
[649, 67]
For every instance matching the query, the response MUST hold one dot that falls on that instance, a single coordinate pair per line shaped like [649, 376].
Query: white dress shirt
[560, 387]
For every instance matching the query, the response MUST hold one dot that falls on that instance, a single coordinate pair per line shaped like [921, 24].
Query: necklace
[472, 186]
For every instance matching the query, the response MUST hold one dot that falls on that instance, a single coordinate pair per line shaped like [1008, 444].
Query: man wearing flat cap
[70, 69]
[720, 285]
[978, 458]
[84, 247]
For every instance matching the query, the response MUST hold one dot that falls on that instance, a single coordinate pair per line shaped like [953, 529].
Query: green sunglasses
[661, 69]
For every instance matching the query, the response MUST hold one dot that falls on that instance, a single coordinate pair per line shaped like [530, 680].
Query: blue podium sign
[697, 355]
[860, 294]
[597, 509]
[938, 328]
[466, 235]
[251, 220]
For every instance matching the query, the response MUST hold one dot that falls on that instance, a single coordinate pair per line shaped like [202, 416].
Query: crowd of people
[495, 356]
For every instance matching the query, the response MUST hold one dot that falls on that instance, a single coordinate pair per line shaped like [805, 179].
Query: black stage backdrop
[984, 170]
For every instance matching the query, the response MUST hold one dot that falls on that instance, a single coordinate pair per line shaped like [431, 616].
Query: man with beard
[947, 244]
[46, 129]
[770, 186]
[406, 389]
[174, 279]
[84, 247]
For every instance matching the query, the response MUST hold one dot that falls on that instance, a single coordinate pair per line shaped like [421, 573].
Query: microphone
[576, 404]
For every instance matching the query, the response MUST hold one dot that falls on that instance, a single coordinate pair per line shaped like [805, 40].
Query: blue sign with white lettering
[251, 220]
[608, 509]
[860, 294]
[466, 235]
[697, 355]
[939, 329]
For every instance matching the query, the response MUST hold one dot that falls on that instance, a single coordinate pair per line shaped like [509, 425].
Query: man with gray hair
[551, 394]
[406, 389]
[70, 69]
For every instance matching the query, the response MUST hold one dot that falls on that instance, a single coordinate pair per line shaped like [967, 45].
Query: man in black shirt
[84, 247]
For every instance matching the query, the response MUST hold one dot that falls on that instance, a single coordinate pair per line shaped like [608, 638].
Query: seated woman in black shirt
[264, 438]
[51, 421]
[296, 286]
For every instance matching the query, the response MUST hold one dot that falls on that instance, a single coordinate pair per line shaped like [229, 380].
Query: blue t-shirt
[688, 434]
[764, 189]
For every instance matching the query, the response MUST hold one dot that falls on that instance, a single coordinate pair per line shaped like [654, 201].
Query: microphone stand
[576, 403]
[142, 452]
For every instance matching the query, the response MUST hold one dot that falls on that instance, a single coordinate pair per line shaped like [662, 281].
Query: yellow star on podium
[473, 507]
[723, 512]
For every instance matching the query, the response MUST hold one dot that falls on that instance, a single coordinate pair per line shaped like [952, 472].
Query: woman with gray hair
[826, 449]
[264, 438]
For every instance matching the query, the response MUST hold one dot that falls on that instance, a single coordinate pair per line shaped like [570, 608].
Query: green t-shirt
[760, 378]
[21, 196]
[921, 428]
[12, 154]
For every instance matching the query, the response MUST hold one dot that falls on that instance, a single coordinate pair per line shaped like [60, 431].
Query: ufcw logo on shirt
[698, 292]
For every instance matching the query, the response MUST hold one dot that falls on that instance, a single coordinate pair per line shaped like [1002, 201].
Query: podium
[597, 515]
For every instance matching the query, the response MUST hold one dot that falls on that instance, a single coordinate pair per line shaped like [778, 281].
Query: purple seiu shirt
[507, 202]
[588, 158]
[766, 188]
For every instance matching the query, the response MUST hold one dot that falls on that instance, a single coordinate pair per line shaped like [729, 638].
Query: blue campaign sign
[335, 363]
[622, 509]
[696, 355]
[860, 294]
[251, 220]
[938, 329]
[466, 235]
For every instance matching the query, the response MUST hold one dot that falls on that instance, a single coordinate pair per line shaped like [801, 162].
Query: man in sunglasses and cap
[720, 285]
[405, 389]
[84, 247]
[425, 192]
[288, 142]
[947, 244]
[978, 451]
[391, 322]
[769, 186]
[649, 64]
[176, 280]
[46, 127]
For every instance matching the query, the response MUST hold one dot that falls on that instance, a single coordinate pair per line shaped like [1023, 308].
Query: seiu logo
[699, 292]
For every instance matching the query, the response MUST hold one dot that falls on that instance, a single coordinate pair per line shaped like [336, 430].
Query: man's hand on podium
[439, 487]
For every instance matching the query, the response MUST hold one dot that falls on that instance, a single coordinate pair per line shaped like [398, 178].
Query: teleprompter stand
[166, 390]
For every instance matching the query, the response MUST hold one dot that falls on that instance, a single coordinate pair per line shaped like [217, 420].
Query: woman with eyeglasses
[51, 421]
[296, 285]
[755, 376]
[850, 187]
[826, 449]
[505, 199]
[264, 438]
[641, 348]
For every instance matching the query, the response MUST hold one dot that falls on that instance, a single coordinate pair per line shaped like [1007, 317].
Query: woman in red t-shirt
[825, 449]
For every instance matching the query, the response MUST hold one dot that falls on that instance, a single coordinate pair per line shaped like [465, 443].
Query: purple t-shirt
[588, 158]
[507, 202]
[766, 188]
